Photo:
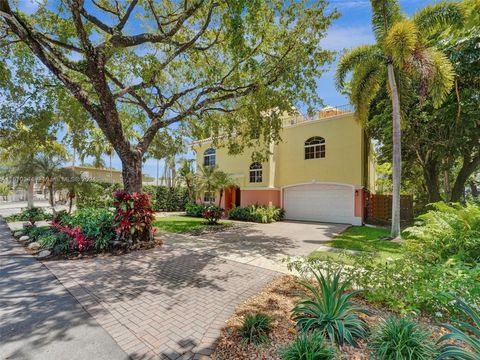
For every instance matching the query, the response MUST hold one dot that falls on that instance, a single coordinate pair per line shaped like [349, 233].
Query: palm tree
[402, 53]
[49, 167]
[212, 180]
[186, 174]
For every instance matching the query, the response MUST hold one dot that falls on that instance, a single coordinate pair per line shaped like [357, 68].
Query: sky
[351, 29]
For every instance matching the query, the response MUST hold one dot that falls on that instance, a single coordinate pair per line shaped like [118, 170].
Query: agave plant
[327, 308]
[461, 334]
[403, 338]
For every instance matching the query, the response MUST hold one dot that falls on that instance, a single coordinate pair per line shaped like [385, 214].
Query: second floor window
[315, 148]
[209, 157]
[256, 173]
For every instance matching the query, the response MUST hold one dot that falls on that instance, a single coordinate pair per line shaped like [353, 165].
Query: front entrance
[232, 198]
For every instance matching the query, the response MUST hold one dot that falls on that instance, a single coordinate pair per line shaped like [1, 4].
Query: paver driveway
[263, 245]
[166, 303]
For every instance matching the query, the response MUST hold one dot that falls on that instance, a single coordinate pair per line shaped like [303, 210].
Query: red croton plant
[79, 241]
[133, 216]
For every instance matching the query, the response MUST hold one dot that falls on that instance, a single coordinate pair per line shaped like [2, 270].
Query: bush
[195, 210]
[308, 347]
[96, 195]
[255, 213]
[133, 217]
[255, 328]
[95, 224]
[77, 240]
[403, 338]
[446, 231]
[404, 284]
[32, 215]
[212, 214]
[56, 242]
[327, 308]
[35, 232]
[461, 334]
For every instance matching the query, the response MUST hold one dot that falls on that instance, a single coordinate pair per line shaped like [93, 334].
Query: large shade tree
[402, 52]
[176, 61]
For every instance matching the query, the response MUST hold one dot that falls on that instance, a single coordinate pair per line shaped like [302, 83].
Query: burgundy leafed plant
[133, 216]
[79, 241]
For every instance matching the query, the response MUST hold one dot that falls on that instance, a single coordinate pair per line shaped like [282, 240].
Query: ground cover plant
[32, 215]
[401, 338]
[255, 328]
[256, 213]
[184, 224]
[311, 346]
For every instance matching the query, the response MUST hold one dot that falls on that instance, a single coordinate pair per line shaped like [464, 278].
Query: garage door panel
[319, 202]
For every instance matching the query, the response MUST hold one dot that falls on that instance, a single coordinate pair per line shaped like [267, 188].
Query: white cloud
[339, 38]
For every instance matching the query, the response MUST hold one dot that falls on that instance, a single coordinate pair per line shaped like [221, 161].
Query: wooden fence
[379, 208]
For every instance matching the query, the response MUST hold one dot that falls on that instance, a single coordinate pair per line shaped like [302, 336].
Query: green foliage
[56, 242]
[401, 338]
[165, 198]
[467, 333]
[404, 284]
[96, 195]
[32, 215]
[195, 210]
[4, 189]
[256, 213]
[35, 232]
[183, 224]
[446, 231]
[255, 328]
[327, 308]
[212, 214]
[95, 224]
[308, 347]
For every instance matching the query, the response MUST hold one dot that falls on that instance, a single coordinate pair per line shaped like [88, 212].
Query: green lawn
[361, 238]
[183, 224]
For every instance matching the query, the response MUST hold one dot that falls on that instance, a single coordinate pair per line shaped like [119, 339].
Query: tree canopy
[169, 62]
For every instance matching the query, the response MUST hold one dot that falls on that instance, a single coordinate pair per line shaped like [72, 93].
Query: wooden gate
[379, 209]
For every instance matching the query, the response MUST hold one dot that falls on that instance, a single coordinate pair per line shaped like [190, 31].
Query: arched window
[209, 157]
[256, 172]
[315, 148]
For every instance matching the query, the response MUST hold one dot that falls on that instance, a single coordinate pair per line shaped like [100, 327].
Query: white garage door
[320, 202]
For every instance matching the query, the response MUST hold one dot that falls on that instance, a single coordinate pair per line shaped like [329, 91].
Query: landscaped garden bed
[277, 301]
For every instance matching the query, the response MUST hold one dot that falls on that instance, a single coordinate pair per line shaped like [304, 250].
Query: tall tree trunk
[220, 198]
[430, 175]
[397, 153]
[474, 188]
[31, 184]
[469, 166]
[132, 172]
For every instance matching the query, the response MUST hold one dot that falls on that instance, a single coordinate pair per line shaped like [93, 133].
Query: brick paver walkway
[167, 303]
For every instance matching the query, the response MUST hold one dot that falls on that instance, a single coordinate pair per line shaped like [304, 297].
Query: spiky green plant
[308, 347]
[466, 333]
[401, 339]
[403, 53]
[255, 328]
[327, 308]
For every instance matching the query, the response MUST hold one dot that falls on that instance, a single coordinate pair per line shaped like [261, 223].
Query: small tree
[212, 180]
[187, 176]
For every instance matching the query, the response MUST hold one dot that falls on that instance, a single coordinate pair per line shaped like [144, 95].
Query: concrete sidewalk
[39, 319]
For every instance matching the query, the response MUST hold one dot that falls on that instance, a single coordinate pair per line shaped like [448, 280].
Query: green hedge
[255, 213]
[166, 198]
[96, 195]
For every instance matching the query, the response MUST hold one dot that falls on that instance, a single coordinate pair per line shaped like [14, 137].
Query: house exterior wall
[348, 160]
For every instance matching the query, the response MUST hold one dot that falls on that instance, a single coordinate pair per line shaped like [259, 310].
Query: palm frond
[385, 14]
[367, 80]
[442, 77]
[353, 58]
[401, 41]
[436, 17]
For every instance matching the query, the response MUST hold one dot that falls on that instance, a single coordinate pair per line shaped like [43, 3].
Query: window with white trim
[209, 197]
[315, 148]
[256, 172]
[209, 157]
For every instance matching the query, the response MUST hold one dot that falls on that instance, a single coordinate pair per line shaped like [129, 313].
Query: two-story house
[321, 171]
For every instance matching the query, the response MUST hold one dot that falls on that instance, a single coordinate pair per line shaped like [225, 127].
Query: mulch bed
[277, 300]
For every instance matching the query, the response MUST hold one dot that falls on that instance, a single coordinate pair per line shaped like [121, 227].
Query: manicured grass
[361, 238]
[184, 224]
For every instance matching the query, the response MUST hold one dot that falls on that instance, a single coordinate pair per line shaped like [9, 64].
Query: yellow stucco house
[321, 171]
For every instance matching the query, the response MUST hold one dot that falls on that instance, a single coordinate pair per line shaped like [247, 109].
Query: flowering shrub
[133, 216]
[212, 214]
[79, 241]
